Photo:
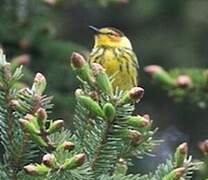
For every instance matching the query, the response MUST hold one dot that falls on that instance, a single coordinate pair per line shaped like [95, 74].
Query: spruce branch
[107, 133]
[103, 121]
[12, 137]
[182, 84]
[15, 104]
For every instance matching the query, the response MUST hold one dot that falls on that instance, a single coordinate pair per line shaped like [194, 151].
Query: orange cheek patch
[115, 38]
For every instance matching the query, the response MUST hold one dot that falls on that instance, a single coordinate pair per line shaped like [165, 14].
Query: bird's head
[110, 37]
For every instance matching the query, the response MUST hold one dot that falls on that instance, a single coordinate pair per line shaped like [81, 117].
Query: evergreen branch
[189, 85]
[104, 137]
[63, 162]
[14, 106]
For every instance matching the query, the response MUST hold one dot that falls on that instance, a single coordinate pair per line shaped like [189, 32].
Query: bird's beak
[96, 30]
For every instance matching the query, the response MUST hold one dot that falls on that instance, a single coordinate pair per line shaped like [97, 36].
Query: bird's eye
[111, 34]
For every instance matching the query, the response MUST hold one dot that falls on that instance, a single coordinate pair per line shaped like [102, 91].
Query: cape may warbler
[113, 50]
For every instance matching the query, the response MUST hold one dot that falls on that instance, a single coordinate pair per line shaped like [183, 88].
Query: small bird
[113, 50]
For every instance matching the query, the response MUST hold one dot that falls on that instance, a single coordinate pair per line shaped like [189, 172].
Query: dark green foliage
[100, 143]
[15, 142]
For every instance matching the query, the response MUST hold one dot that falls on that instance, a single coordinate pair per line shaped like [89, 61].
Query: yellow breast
[118, 65]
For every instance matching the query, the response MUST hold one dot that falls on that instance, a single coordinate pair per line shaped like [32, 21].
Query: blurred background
[164, 32]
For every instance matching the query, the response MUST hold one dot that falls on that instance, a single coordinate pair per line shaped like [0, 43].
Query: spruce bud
[48, 160]
[67, 145]
[153, 69]
[31, 169]
[110, 111]
[77, 60]
[74, 161]
[138, 121]
[134, 95]
[7, 71]
[176, 174]
[33, 120]
[181, 154]
[39, 84]
[135, 136]
[29, 126]
[184, 81]
[121, 167]
[55, 126]
[102, 79]
[41, 116]
[82, 67]
[203, 146]
[159, 75]
[93, 107]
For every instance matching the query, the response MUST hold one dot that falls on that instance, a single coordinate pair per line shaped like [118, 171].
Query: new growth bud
[74, 161]
[203, 146]
[159, 75]
[39, 84]
[102, 79]
[135, 136]
[37, 169]
[183, 148]
[77, 60]
[7, 71]
[153, 69]
[49, 160]
[134, 95]
[110, 111]
[181, 154]
[41, 114]
[176, 174]
[41, 117]
[138, 121]
[93, 107]
[67, 145]
[121, 167]
[29, 123]
[55, 126]
[82, 67]
[184, 81]
[80, 159]
[31, 169]
[29, 126]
